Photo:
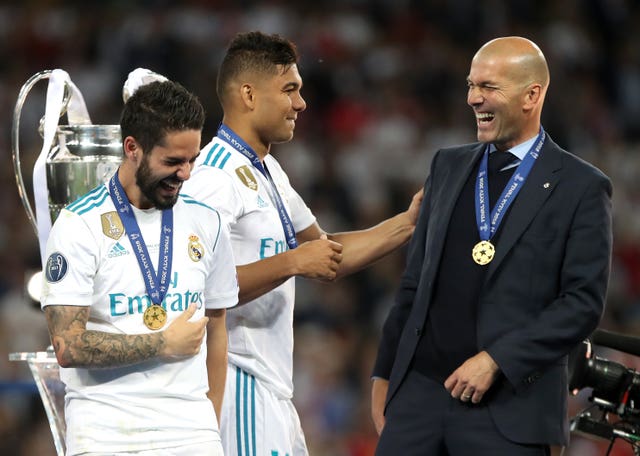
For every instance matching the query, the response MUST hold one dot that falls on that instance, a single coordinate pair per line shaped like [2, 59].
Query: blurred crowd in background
[385, 85]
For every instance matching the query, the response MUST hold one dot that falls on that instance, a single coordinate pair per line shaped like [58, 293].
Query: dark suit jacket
[544, 291]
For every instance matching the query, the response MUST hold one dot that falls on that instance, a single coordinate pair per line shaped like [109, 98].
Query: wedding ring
[465, 396]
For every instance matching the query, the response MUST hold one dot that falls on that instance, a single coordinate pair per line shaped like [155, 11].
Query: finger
[203, 321]
[449, 384]
[189, 311]
[337, 247]
[458, 390]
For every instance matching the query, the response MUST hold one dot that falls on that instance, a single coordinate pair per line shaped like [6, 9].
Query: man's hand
[318, 259]
[414, 206]
[183, 337]
[378, 397]
[471, 380]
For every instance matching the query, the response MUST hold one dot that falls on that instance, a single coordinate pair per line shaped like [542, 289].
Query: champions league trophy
[75, 158]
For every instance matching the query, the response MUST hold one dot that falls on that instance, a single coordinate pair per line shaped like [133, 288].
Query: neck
[525, 136]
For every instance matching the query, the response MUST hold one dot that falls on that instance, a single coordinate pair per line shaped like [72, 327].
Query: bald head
[521, 57]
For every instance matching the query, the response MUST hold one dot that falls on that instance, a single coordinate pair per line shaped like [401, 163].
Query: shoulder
[195, 206]
[574, 164]
[216, 154]
[455, 156]
[90, 211]
[272, 163]
[453, 153]
[95, 200]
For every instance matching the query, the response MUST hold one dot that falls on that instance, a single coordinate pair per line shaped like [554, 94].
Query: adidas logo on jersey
[261, 202]
[117, 250]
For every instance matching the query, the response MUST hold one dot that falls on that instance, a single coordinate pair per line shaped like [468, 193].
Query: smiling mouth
[171, 187]
[484, 117]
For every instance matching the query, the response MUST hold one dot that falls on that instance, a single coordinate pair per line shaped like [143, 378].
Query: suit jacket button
[418, 331]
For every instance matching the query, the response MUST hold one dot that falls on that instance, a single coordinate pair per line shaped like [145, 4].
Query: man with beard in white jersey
[275, 237]
[138, 278]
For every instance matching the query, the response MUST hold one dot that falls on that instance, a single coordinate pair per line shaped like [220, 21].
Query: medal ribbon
[486, 230]
[232, 138]
[156, 284]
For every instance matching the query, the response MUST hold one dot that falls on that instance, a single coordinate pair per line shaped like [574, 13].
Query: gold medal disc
[155, 317]
[483, 252]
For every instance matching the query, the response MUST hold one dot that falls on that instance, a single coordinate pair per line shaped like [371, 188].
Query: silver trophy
[81, 157]
[75, 158]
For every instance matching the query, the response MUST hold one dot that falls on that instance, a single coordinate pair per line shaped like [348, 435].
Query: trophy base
[46, 373]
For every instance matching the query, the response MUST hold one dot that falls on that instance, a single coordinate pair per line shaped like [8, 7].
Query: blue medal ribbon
[238, 144]
[486, 229]
[156, 284]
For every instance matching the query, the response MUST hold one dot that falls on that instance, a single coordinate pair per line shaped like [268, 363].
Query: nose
[184, 170]
[474, 96]
[299, 104]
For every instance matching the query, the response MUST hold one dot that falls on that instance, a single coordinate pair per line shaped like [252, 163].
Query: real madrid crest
[196, 251]
[246, 177]
[112, 225]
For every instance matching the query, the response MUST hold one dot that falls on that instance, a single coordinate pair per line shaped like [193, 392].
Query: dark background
[385, 85]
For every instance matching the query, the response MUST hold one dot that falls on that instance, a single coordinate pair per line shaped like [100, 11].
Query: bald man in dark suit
[507, 272]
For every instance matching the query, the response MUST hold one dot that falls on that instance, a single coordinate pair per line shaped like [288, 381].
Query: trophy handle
[15, 138]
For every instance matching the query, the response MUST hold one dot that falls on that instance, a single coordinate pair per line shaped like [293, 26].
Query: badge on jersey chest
[246, 177]
[112, 225]
[196, 251]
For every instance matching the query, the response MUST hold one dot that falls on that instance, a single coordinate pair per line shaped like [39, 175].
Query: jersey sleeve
[301, 215]
[71, 263]
[213, 187]
[221, 289]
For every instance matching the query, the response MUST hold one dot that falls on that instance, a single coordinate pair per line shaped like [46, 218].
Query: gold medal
[155, 317]
[483, 252]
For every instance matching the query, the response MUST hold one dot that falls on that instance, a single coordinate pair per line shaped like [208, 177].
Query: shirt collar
[520, 150]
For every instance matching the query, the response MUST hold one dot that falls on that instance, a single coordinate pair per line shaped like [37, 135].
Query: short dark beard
[148, 185]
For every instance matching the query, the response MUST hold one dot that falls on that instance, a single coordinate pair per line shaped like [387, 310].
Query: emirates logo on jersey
[246, 177]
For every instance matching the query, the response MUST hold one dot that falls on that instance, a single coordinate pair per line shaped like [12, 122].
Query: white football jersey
[261, 331]
[157, 403]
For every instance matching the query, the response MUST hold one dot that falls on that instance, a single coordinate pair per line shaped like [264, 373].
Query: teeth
[484, 116]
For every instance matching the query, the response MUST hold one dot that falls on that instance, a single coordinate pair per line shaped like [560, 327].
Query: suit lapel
[450, 180]
[539, 185]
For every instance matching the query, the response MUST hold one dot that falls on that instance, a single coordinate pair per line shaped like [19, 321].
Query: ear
[131, 148]
[247, 93]
[532, 96]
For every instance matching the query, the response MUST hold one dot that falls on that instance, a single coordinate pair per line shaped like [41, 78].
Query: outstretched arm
[325, 256]
[364, 247]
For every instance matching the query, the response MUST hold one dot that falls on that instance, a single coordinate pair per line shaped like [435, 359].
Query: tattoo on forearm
[78, 347]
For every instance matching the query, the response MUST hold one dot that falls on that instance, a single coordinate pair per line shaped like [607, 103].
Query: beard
[151, 186]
